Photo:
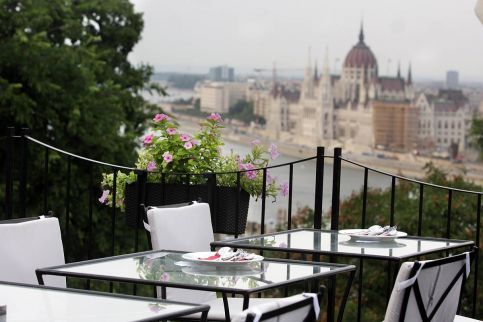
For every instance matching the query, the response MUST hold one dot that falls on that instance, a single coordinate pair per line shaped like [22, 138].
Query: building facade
[222, 74]
[219, 97]
[337, 109]
[444, 119]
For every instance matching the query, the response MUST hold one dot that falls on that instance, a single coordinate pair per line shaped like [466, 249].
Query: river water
[303, 194]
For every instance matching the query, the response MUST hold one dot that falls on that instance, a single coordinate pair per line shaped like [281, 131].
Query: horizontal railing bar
[132, 169]
[411, 180]
[78, 156]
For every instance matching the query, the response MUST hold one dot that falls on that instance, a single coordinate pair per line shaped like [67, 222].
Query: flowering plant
[171, 152]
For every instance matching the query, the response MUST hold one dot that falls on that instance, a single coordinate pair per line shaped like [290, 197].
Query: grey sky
[191, 35]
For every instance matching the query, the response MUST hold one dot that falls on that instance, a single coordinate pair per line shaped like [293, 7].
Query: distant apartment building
[395, 124]
[452, 79]
[217, 97]
[222, 74]
[444, 119]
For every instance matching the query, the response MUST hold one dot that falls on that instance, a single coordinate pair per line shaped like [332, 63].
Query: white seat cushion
[460, 318]
[29, 245]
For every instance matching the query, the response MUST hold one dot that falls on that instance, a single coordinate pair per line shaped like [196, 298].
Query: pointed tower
[325, 116]
[410, 76]
[361, 33]
[316, 72]
[308, 83]
[399, 69]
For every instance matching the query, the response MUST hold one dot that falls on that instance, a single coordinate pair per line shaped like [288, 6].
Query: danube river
[303, 185]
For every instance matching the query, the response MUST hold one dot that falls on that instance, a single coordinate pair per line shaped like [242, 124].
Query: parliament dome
[360, 56]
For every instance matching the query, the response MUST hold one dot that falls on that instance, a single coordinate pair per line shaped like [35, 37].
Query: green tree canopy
[65, 74]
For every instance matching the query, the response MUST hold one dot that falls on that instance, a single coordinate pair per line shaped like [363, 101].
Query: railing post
[319, 187]
[141, 199]
[23, 171]
[334, 219]
[9, 172]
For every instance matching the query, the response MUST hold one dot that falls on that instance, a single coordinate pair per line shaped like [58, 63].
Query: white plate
[354, 235]
[230, 271]
[195, 258]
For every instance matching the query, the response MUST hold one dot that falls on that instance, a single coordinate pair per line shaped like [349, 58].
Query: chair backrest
[301, 308]
[26, 245]
[428, 290]
[184, 228]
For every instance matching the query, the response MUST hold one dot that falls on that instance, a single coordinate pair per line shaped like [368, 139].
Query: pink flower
[273, 151]
[103, 198]
[167, 157]
[159, 117]
[282, 245]
[255, 142]
[215, 117]
[284, 189]
[184, 137]
[151, 166]
[188, 145]
[251, 175]
[148, 139]
[171, 130]
[164, 277]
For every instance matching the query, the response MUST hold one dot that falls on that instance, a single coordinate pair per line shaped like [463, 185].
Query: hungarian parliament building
[359, 107]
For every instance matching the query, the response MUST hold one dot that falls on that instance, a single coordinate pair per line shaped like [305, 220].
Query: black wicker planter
[222, 202]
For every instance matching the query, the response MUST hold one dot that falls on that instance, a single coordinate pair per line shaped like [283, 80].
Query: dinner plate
[195, 258]
[230, 271]
[354, 235]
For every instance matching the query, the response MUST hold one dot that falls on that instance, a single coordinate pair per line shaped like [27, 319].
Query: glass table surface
[168, 268]
[328, 242]
[33, 303]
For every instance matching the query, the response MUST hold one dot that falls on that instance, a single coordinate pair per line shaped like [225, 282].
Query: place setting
[222, 262]
[375, 236]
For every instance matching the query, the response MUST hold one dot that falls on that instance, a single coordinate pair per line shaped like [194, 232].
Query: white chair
[188, 228]
[27, 244]
[185, 228]
[298, 308]
[429, 290]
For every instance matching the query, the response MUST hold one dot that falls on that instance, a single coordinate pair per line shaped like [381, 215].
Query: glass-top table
[46, 304]
[168, 269]
[329, 242]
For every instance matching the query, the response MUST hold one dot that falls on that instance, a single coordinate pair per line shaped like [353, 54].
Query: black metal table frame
[391, 271]
[350, 269]
[197, 308]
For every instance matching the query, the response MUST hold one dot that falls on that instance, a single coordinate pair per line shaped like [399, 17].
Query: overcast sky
[192, 35]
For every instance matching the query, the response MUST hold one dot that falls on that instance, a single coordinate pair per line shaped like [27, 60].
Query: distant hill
[179, 80]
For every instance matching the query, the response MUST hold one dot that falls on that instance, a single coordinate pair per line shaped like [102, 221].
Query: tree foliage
[65, 75]
[434, 221]
[476, 135]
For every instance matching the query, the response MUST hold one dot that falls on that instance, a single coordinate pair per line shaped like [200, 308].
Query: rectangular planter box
[222, 201]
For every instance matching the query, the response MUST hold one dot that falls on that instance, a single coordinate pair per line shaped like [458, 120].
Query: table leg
[204, 316]
[348, 285]
[246, 299]
[331, 299]
[227, 308]
[359, 290]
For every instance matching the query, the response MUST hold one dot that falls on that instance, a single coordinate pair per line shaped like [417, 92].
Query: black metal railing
[18, 147]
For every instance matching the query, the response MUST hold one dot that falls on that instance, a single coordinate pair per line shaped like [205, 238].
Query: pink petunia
[184, 137]
[284, 189]
[167, 157]
[164, 277]
[103, 198]
[255, 142]
[151, 166]
[148, 139]
[215, 117]
[171, 130]
[188, 145]
[160, 117]
[273, 151]
[270, 179]
[282, 245]
[252, 175]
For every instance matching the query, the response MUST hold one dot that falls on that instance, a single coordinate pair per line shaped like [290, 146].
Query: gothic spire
[361, 33]
[399, 70]
[316, 72]
[410, 77]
